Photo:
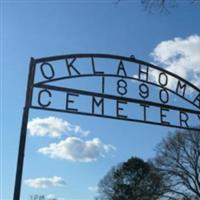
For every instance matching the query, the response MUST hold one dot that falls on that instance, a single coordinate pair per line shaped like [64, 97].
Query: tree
[37, 197]
[133, 179]
[162, 6]
[178, 158]
[158, 5]
[42, 197]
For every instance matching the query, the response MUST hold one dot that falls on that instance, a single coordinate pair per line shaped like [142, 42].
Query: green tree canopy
[133, 179]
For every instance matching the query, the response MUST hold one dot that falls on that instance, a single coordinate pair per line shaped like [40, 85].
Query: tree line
[174, 173]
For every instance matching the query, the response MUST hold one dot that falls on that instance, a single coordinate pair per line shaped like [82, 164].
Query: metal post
[22, 142]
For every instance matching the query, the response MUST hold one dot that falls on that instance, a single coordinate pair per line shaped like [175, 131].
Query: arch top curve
[132, 59]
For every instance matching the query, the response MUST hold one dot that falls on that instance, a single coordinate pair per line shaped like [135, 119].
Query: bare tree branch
[178, 157]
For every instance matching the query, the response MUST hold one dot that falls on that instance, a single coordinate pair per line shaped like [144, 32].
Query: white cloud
[44, 182]
[76, 149]
[93, 189]
[180, 56]
[53, 127]
[51, 197]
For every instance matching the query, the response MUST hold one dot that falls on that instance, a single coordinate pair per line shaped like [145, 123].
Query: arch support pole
[22, 143]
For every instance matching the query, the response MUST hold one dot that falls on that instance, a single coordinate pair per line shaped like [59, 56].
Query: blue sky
[38, 29]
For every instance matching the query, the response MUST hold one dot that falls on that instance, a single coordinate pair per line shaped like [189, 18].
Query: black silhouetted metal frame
[44, 85]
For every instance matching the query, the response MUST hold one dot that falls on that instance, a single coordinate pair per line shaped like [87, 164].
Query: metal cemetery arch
[45, 89]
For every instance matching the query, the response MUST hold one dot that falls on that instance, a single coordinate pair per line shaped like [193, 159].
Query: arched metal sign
[108, 86]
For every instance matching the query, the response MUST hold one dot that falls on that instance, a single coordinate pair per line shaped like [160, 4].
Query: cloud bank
[180, 56]
[76, 149]
[53, 127]
[44, 182]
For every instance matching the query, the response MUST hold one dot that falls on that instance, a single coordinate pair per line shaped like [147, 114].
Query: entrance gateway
[108, 86]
